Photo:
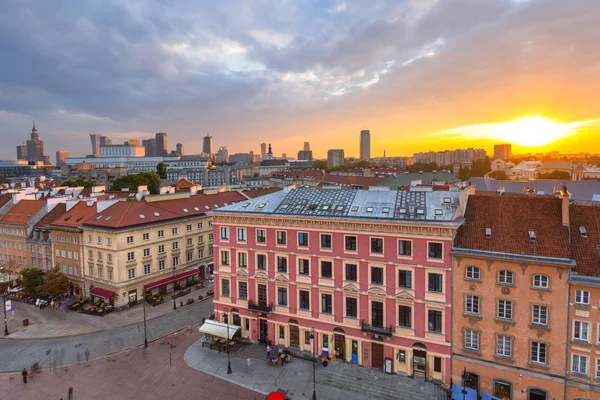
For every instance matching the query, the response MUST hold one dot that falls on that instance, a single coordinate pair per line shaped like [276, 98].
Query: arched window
[541, 281]
[537, 394]
[506, 277]
[473, 272]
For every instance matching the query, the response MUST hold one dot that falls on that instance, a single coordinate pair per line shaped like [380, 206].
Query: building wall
[14, 245]
[517, 369]
[285, 317]
[66, 250]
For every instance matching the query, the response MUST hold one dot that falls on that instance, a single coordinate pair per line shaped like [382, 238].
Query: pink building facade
[366, 270]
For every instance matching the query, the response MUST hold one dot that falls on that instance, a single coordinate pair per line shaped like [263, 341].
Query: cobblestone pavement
[338, 381]
[138, 374]
[19, 353]
[58, 322]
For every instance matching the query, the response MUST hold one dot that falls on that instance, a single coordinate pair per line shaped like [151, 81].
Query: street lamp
[312, 337]
[6, 277]
[465, 378]
[145, 335]
[226, 316]
[174, 297]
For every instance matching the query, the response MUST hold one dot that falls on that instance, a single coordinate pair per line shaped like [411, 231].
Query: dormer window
[532, 236]
[583, 232]
[488, 233]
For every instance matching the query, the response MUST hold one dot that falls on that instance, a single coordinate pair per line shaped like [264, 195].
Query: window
[351, 272]
[376, 276]
[281, 264]
[161, 234]
[241, 234]
[405, 248]
[473, 273]
[351, 243]
[282, 296]
[261, 261]
[582, 297]
[210, 251]
[281, 237]
[161, 265]
[189, 256]
[98, 240]
[303, 267]
[91, 270]
[502, 389]
[539, 315]
[243, 290]
[146, 269]
[505, 277]
[302, 239]
[504, 309]
[145, 236]
[129, 239]
[540, 281]
[281, 332]
[471, 304]
[377, 245]
[224, 257]
[471, 339]
[161, 249]
[201, 253]
[504, 346]
[131, 273]
[351, 307]
[210, 237]
[189, 242]
[304, 300]
[435, 250]
[306, 337]
[326, 241]
[405, 316]
[201, 239]
[538, 352]
[435, 282]
[579, 364]
[99, 256]
[175, 261]
[405, 279]
[131, 256]
[326, 303]
[242, 260]
[326, 269]
[261, 236]
[597, 368]
[147, 252]
[188, 227]
[435, 321]
[581, 331]
[225, 287]
[200, 225]
[224, 233]
[175, 231]
[437, 364]
[175, 245]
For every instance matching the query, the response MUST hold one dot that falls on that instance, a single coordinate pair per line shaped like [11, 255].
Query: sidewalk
[339, 381]
[59, 322]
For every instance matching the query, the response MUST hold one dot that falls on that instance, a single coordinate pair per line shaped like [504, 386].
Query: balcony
[376, 330]
[260, 308]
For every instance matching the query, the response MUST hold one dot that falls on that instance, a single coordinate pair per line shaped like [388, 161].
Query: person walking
[268, 349]
[25, 375]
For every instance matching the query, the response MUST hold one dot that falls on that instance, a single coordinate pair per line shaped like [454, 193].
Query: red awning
[105, 294]
[170, 279]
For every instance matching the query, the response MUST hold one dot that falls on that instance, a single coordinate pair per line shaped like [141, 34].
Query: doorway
[537, 394]
[201, 272]
[262, 295]
[294, 336]
[420, 364]
[339, 345]
[377, 355]
[263, 327]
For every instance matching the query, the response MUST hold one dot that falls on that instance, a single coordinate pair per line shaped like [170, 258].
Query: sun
[533, 131]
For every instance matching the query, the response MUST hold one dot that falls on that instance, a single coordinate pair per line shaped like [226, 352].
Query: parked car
[277, 396]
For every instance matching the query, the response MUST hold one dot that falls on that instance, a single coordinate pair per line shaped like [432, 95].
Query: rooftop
[56, 213]
[580, 190]
[23, 211]
[77, 215]
[402, 180]
[585, 239]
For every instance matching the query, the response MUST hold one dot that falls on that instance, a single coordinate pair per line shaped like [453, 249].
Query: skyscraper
[179, 149]
[223, 155]
[22, 151]
[35, 148]
[503, 151]
[95, 139]
[365, 145]
[263, 151]
[149, 147]
[61, 156]
[306, 146]
[161, 144]
[207, 144]
[335, 158]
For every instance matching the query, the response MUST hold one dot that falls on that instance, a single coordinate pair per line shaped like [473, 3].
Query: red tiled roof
[5, 198]
[586, 250]
[510, 219]
[252, 193]
[184, 184]
[22, 212]
[57, 212]
[77, 215]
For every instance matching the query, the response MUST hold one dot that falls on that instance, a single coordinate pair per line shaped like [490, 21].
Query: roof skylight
[99, 217]
[262, 205]
[583, 232]
[196, 208]
[156, 214]
[439, 211]
[369, 209]
[532, 236]
[142, 216]
[354, 209]
[186, 210]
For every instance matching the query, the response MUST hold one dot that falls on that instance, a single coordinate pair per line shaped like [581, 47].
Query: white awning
[218, 329]
[15, 290]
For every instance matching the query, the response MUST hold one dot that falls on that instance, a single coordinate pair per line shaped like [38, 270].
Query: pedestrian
[248, 363]
[268, 349]
[25, 374]
[70, 392]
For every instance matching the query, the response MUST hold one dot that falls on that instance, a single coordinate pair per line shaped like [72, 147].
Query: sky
[419, 74]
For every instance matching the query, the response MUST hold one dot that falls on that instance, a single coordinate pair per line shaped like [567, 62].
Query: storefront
[172, 282]
[103, 294]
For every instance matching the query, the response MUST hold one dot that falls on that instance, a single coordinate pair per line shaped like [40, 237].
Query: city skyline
[418, 74]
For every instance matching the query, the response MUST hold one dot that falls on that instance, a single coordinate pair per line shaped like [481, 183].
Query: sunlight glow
[533, 131]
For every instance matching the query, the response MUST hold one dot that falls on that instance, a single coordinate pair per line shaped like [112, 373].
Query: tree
[320, 164]
[150, 179]
[32, 280]
[481, 167]
[498, 175]
[558, 175]
[56, 283]
[78, 183]
[464, 173]
[425, 167]
[161, 170]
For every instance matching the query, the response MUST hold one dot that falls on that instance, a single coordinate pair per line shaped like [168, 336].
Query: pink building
[368, 270]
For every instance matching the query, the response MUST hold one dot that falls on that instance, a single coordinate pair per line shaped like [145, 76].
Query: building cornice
[484, 254]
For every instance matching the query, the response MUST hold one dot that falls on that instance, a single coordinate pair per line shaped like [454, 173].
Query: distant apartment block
[335, 158]
[503, 151]
[449, 157]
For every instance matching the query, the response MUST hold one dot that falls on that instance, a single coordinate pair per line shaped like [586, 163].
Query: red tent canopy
[172, 278]
[104, 293]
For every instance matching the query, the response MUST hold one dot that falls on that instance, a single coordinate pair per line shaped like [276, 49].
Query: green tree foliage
[32, 280]
[480, 167]
[425, 167]
[150, 179]
[320, 164]
[559, 175]
[161, 170]
[499, 175]
[78, 183]
[464, 174]
[56, 283]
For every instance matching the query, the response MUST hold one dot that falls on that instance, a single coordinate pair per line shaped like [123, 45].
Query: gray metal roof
[402, 180]
[580, 190]
[379, 203]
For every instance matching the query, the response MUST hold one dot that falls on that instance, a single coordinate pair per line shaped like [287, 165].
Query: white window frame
[130, 239]
[131, 256]
[474, 302]
[130, 273]
[576, 365]
[539, 347]
[473, 273]
[540, 285]
[471, 339]
[224, 233]
[584, 331]
[503, 343]
[597, 368]
[582, 297]
[504, 303]
[242, 235]
[541, 309]
[503, 278]
[146, 236]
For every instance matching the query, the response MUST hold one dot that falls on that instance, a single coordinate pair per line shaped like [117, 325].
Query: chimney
[565, 196]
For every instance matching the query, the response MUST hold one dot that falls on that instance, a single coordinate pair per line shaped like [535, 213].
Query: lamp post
[226, 316]
[174, 297]
[6, 277]
[145, 334]
[465, 378]
[312, 337]
[5, 319]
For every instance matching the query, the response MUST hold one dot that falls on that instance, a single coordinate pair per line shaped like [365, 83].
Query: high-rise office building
[22, 151]
[207, 144]
[161, 144]
[306, 146]
[503, 151]
[61, 156]
[365, 145]
[95, 139]
[223, 155]
[305, 155]
[149, 147]
[263, 151]
[335, 158]
[179, 149]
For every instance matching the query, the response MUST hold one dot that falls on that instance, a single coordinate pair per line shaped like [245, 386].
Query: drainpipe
[82, 261]
[567, 334]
